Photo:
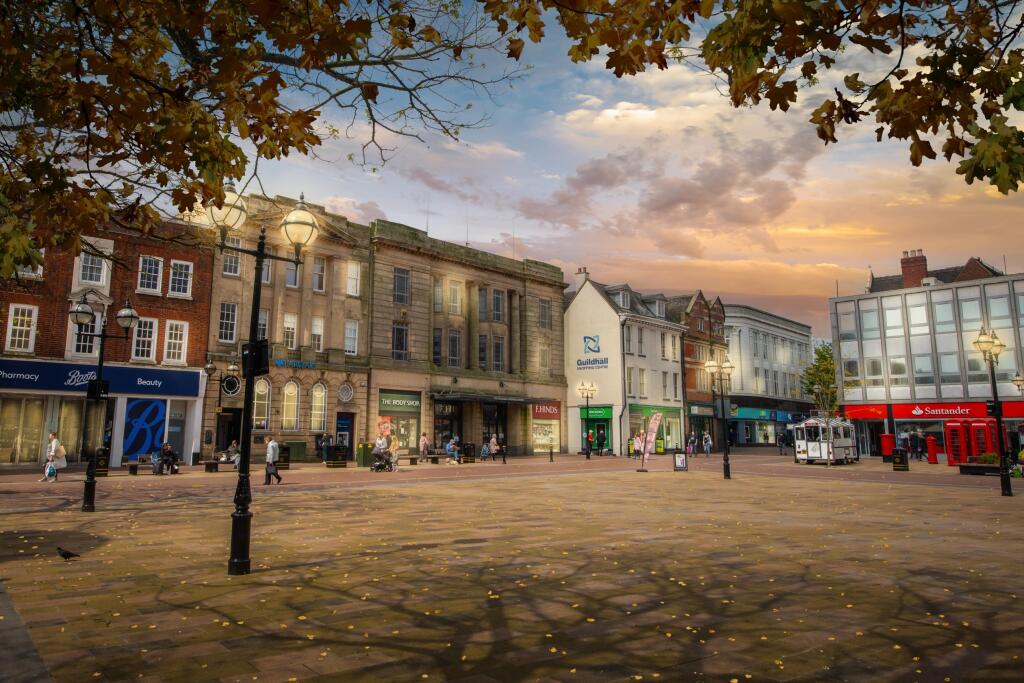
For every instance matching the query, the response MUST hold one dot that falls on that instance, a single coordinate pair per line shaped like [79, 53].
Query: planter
[979, 468]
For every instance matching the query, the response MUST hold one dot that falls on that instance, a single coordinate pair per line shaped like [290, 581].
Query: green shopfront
[669, 431]
[399, 416]
[598, 421]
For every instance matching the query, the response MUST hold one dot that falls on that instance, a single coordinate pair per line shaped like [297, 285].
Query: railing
[294, 354]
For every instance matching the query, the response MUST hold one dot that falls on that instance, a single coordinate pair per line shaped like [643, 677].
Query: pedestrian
[55, 450]
[233, 454]
[168, 459]
[393, 447]
[691, 444]
[452, 451]
[273, 453]
[49, 470]
[590, 441]
[494, 447]
[600, 442]
[638, 444]
[707, 445]
[325, 447]
[424, 446]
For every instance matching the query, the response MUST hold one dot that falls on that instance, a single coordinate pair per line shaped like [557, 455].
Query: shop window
[21, 328]
[290, 407]
[949, 368]
[923, 372]
[261, 405]
[401, 286]
[351, 337]
[318, 408]
[21, 429]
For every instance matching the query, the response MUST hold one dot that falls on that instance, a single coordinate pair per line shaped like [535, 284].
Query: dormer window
[659, 309]
[624, 299]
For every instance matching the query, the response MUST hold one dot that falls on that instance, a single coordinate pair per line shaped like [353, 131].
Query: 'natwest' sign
[547, 411]
[924, 411]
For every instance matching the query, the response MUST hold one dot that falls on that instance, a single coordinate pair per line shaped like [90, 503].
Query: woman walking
[55, 455]
[707, 445]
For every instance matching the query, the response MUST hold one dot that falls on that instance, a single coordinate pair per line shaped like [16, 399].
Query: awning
[485, 398]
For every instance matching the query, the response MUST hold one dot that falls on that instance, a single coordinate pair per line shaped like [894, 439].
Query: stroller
[382, 462]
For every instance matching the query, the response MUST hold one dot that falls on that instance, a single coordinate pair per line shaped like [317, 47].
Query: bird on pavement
[66, 554]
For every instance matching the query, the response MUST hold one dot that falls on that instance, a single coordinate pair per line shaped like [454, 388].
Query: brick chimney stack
[914, 265]
[581, 276]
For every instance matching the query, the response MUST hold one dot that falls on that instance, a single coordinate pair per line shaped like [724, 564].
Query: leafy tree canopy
[819, 379]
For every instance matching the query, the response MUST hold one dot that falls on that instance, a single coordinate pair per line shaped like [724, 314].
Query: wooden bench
[133, 465]
[212, 465]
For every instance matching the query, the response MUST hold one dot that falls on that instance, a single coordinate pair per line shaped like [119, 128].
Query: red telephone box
[957, 445]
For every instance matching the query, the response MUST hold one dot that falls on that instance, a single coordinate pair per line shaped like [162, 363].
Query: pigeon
[66, 554]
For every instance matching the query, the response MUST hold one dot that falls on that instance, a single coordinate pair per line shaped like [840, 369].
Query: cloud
[353, 209]
[494, 149]
[434, 182]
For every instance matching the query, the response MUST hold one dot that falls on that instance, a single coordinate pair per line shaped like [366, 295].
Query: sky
[657, 181]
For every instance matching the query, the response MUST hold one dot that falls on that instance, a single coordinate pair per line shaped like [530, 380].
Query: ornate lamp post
[990, 346]
[721, 372]
[586, 390]
[227, 382]
[299, 228]
[81, 314]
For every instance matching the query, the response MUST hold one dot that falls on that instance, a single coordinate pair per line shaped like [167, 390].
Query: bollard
[551, 454]
[503, 461]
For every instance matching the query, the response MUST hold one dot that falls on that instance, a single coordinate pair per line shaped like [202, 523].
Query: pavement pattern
[534, 571]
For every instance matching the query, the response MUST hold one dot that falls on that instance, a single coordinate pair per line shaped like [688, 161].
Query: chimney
[914, 265]
[581, 276]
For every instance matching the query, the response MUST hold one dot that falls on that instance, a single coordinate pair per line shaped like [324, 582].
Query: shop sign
[648, 411]
[547, 411]
[592, 345]
[290, 363]
[399, 401]
[596, 413]
[1013, 409]
[941, 411]
[866, 412]
[42, 376]
[754, 414]
[706, 411]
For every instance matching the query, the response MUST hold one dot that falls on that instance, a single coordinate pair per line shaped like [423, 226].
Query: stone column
[515, 329]
[473, 324]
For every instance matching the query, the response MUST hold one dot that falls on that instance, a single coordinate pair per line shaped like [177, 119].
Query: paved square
[611, 575]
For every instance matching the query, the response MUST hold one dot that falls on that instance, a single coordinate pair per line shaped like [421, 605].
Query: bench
[133, 465]
[212, 465]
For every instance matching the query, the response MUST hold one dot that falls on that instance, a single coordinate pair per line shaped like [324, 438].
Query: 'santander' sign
[923, 411]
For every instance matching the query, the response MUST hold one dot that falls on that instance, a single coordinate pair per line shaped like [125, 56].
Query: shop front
[669, 434]
[702, 419]
[757, 426]
[399, 416]
[545, 427]
[599, 421]
[146, 408]
[447, 422]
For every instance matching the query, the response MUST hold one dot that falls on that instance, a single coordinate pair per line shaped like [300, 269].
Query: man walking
[273, 453]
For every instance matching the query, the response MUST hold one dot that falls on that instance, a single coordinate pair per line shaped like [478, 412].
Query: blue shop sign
[42, 376]
[754, 414]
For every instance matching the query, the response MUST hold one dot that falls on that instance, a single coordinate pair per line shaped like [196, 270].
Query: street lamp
[990, 346]
[1018, 382]
[81, 314]
[230, 376]
[586, 390]
[299, 228]
[721, 372]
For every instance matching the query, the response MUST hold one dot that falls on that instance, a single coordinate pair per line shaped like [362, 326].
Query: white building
[769, 354]
[620, 341]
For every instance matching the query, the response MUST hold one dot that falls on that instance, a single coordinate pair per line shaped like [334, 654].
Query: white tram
[825, 439]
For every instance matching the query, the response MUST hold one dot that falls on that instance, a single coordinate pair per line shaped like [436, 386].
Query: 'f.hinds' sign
[547, 411]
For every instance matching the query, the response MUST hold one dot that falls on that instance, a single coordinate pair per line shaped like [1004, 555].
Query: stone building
[705, 339]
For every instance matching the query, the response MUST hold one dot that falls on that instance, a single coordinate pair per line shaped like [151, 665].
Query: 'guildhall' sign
[547, 411]
[42, 376]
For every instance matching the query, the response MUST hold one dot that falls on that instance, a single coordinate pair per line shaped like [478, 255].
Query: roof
[636, 299]
[888, 283]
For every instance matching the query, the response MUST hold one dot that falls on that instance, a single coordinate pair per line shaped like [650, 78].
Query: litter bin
[900, 460]
[364, 454]
[334, 458]
[102, 461]
[284, 455]
[297, 450]
[469, 453]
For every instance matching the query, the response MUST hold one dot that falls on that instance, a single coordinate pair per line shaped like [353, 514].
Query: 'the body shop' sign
[923, 411]
[547, 411]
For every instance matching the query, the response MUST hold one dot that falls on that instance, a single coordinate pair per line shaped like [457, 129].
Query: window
[1020, 304]
[34, 273]
[261, 405]
[923, 373]
[436, 346]
[399, 341]
[83, 344]
[851, 371]
[319, 273]
[949, 368]
[150, 273]
[290, 324]
[700, 324]
[90, 269]
[897, 371]
[643, 382]
[455, 298]
[869, 324]
[175, 341]
[942, 312]
[894, 322]
[976, 369]
[775, 382]
[144, 340]
[917, 316]
[352, 279]
[627, 336]
[454, 348]
[640, 342]
[970, 313]
[401, 286]
[482, 344]
[268, 268]
[290, 407]
[291, 274]
[21, 328]
[498, 354]
[624, 299]
[998, 308]
[261, 324]
[544, 313]
[481, 303]
[664, 384]
[231, 263]
[181, 279]
[351, 337]
[318, 408]
[228, 319]
[873, 372]
[438, 295]
[629, 381]
[316, 334]
[664, 346]
[498, 305]
[545, 358]
[675, 351]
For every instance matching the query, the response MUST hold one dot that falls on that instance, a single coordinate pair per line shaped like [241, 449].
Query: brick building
[705, 339]
[154, 374]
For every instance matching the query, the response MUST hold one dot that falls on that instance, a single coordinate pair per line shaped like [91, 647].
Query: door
[229, 427]
[343, 435]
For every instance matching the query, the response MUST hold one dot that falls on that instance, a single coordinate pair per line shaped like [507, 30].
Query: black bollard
[551, 454]
[503, 461]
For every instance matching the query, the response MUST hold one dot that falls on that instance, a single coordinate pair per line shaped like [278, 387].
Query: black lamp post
[990, 346]
[721, 372]
[231, 374]
[299, 228]
[81, 314]
[587, 391]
